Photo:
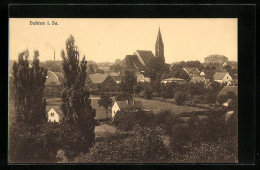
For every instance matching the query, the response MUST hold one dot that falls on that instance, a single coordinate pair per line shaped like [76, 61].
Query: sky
[103, 39]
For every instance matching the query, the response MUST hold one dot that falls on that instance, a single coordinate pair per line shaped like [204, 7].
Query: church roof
[145, 54]
[132, 61]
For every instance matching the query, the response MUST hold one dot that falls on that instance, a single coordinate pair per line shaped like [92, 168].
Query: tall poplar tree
[28, 86]
[76, 102]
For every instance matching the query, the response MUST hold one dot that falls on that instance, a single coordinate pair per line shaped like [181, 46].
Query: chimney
[126, 102]
[133, 102]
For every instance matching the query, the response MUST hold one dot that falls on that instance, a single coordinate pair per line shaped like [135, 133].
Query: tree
[138, 88]
[180, 98]
[115, 68]
[76, 104]
[228, 68]
[128, 81]
[156, 65]
[91, 69]
[105, 101]
[123, 96]
[28, 86]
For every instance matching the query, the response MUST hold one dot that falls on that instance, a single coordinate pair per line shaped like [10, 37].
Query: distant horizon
[105, 40]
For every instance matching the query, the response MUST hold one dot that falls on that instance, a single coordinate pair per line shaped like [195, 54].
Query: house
[176, 80]
[216, 59]
[192, 71]
[98, 78]
[226, 89]
[199, 80]
[119, 105]
[112, 81]
[222, 77]
[53, 116]
[233, 82]
[141, 78]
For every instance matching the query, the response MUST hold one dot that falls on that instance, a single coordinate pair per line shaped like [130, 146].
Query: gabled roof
[97, 78]
[219, 75]
[117, 78]
[123, 104]
[228, 88]
[146, 55]
[192, 70]
[132, 61]
[197, 79]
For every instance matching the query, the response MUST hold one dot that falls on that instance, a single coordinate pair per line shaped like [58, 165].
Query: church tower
[159, 47]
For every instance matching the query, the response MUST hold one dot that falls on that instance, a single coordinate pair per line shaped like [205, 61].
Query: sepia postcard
[123, 90]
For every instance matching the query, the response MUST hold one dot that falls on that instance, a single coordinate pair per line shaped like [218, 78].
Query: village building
[222, 77]
[119, 105]
[233, 82]
[192, 71]
[110, 79]
[176, 80]
[227, 89]
[98, 78]
[140, 58]
[53, 116]
[141, 78]
[199, 80]
[216, 59]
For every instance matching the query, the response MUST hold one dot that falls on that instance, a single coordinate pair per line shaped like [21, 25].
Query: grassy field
[100, 111]
[156, 106]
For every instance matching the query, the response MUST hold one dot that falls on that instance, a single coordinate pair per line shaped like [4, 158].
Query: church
[140, 58]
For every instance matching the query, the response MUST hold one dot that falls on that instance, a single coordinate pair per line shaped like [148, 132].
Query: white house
[119, 105]
[222, 77]
[202, 73]
[53, 116]
[142, 78]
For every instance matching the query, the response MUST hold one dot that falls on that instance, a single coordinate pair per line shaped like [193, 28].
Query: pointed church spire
[159, 37]
[159, 47]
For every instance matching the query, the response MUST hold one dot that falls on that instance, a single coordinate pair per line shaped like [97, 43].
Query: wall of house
[54, 118]
[227, 78]
[115, 109]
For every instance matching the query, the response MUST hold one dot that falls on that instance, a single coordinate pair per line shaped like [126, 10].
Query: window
[52, 114]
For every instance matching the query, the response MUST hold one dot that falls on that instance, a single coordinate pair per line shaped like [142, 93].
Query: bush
[40, 146]
[144, 146]
[147, 93]
[165, 120]
[123, 96]
[211, 98]
[222, 99]
[129, 117]
[180, 98]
